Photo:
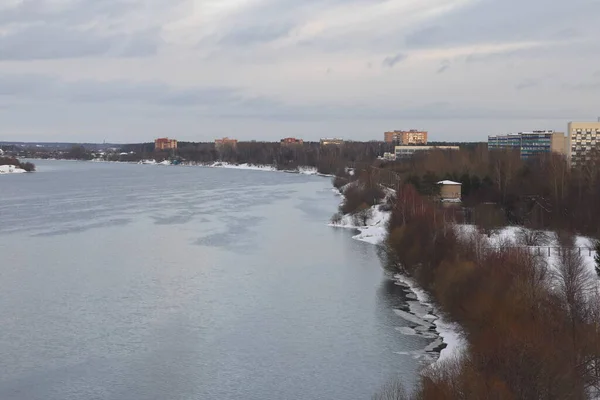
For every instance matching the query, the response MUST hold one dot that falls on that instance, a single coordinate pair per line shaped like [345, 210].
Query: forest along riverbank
[496, 287]
[372, 226]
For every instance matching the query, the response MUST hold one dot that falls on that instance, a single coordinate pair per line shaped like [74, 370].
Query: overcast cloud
[130, 70]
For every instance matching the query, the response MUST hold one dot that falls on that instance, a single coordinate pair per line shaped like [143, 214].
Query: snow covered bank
[509, 236]
[11, 169]
[450, 333]
[302, 170]
[245, 166]
[422, 314]
[374, 231]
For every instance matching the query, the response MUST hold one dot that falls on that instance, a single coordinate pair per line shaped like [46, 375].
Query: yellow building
[450, 191]
[226, 142]
[332, 142]
[582, 139]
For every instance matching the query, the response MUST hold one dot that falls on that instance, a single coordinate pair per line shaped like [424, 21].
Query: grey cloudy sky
[131, 70]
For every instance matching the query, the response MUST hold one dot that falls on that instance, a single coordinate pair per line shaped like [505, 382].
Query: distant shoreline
[301, 170]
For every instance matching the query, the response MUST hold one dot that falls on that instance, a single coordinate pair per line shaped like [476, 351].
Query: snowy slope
[10, 169]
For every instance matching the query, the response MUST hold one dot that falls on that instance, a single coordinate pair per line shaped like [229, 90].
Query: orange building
[226, 142]
[290, 141]
[406, 137]
[165, 144]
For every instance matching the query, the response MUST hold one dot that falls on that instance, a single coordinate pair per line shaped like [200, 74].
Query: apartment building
[530, 144]
[583, 139]
[291, 141]
[411, 137]
[332, 142]
[220, 143]
[409, 151]
[510, 141]
[161, 144]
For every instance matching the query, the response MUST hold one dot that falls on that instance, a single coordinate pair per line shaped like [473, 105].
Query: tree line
[543, 192]
[327, 159]
[533, 329]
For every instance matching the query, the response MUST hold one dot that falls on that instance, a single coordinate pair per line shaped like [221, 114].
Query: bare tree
[532, 237]
[392, 390]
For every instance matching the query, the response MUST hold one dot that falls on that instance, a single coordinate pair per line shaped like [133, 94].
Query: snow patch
[11, 169]
[375, 229]
[448, 333]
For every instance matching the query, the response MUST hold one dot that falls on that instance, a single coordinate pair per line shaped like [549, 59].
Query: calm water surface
[147, 282]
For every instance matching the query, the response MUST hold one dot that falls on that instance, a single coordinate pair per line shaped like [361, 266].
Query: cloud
[391, 61]
[244, 36]
[294, 63]
[40, 88]
[527, 84]
[445, 65]
[44, 29]
[583, 86]
[42, 41]
[493, 21]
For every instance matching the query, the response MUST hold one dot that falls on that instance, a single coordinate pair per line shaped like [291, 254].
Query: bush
[357, 195]
[362, 215]
[339, 182]
[336, 218]
[29, 167]
[530, 237]
[488, 218]
[565, 239]
[392, 390]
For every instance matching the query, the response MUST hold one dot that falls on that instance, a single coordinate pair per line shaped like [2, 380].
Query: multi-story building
[530, 144]
[332, 142]
[220, 143]
[510, 141]
[413, 136]
[291, 141]
[583, 140]
[409, 151]
[165, 144]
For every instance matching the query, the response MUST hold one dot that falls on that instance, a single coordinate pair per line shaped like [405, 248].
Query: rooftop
[448, 183]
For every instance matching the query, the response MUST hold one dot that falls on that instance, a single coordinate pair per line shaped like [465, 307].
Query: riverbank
[421, 313]
[303, 170]
[11, 169]
[9, 165]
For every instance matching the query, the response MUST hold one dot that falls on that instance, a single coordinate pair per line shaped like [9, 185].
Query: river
[121, 281]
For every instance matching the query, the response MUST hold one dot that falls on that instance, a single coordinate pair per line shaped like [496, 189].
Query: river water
[122, 281]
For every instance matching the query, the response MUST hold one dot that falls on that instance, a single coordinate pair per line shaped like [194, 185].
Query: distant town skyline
[195, 70]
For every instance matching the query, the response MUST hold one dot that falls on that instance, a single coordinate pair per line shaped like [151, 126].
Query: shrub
[488, 218]
[392, 390]
[336, 218]
[362, 215]
[339, 181]
[29, 167]
[565, 239]
[530, 237]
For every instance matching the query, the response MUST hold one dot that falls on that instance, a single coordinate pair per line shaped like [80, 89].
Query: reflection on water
[145, 282]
